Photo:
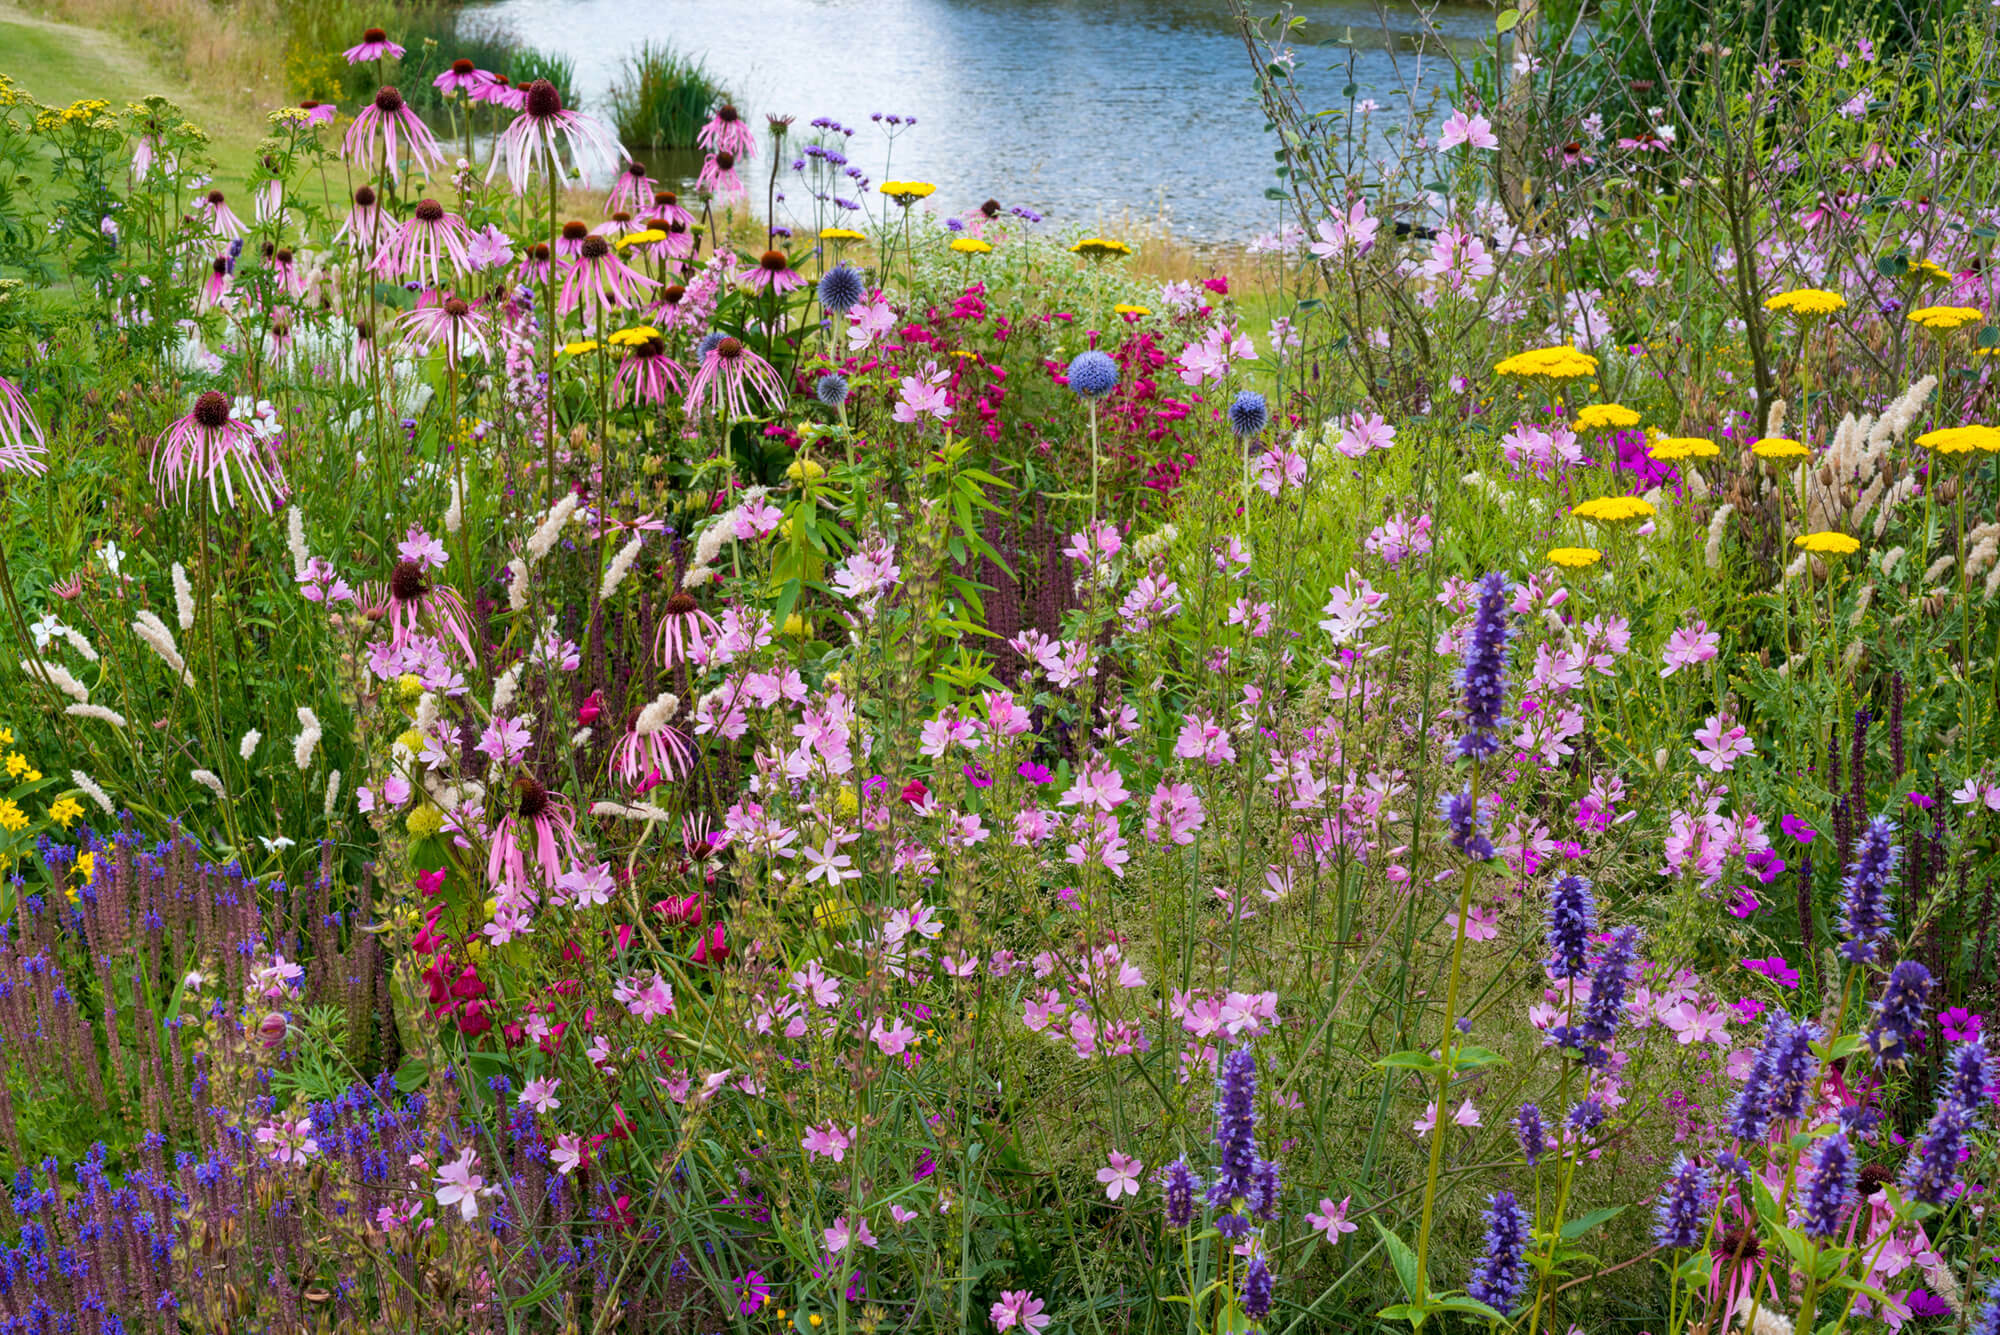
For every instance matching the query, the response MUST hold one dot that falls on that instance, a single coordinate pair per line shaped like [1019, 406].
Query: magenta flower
[374, 45]
[718, 175]
[1121, 1175]
[1775, 968]
[633, 191]
[727, 374]
[1688, 647]
[599, 281]
[1331, 1219]
[462, 76]
[540, 822]
[685, 630]
[366, 225]
[1960, 1025]
[648, 375]
[667, 206]
[209, 442]
[376, 132]
[216, 286]
[1796, 828]
[752, 1292]
[651, 749]
[727, 132]
[1724, 741]
[317, 113]
[535, 140]
[1474, 131]
[924, 395]
[419, 249]
[774, 273]
[414, 604]
[1019, 1307]
[22, 445]
[214, 214]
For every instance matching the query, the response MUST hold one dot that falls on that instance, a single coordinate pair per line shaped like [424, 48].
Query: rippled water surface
[1084, 111]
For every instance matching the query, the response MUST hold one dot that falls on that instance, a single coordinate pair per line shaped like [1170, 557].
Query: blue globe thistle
[1681, 1213]
[1235, 1130]
[1899, 1013]
[1864, 910]
[709, 343]
[1500, 1275]
[831, 389]
[1257, 1286]
[1531, 1133]
[1093, 374]
[1931, 1171]
[1572, 918]
[1829, 1187]
[1248, 414]
[1181, 1185]
[842, 288]
[1483, 678]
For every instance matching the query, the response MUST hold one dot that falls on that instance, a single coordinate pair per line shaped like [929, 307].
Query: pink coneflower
[216, 286]
[366, 225]
[214, 213]
[667, 205]
[619, 224]
[541, 818]
[685, 629]
[599, 280]
[569, 240]
[210, 442]
[379, 124]
[278, 340]
[355, 362]
[651, 748]
[270, 201]
[676, 242]
[534, 267]
[374, 45]
[22, 444]
[285, 269]
[490, 87]
[774, 273]
[463, 77]
[648, 375]
[718, 175]
[421, 245]
[727, 132]
[633, 190]
[728, 370]
[455, 322]
[415, 604]
[532, 141]
[318, 113]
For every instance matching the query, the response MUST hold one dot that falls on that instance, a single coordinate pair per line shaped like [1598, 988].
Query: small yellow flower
[1575, 558]
[1668, 448]
[65, 810]
[803, 470]
[847, 803]
[972, 245]
[12, 819]
[579, 348]
[1613, 508]
[907, 193]
[1828, 542]
[1603, 416]
[1945, 318]
[633, 337]
[647, 237]
[1122, 308]
[1779, 447]
[410, 740]
[1100, 248]
[1561, 362]
[1932, 270]
[17, 765]
[409, 688]
[840, 234]
[424, 821]
[1806, 301]
[86, 863]
[797, 627]
[1961, 439]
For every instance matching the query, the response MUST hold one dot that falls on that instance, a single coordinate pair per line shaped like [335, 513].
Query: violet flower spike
[1483, 678]
[1500, 1275]
[1865, 915]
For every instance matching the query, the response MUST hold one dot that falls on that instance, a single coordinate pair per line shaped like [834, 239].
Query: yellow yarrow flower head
[1779, 447]
[1100, 248]
[580, 347]
[907, 193]
[424, 821]
[840, 234]
[1669, 448]
[1124, 308]
[1942, 319]
[972, 245]
[1806, 301]
[645, 238]
[1613, 508]
[1932, 270]
[1961, 439]
[1828, 543]
[633, 337]
[409, 689]
[1605, 417]
[1575, 558]
[1558, 363]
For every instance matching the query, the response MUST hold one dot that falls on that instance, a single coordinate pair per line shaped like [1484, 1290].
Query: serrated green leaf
[1405, 1263]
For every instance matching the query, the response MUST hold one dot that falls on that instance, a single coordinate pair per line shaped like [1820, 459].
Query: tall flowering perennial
[1780, 1078]
[1483, 678]
[1572, 917]
[1500, 1275]
[1829, 1187]
[1931, 1173]
[1865, 916]
[1241, 1178]
[1899, 1013]
[1609, 981]
[1680, 1215]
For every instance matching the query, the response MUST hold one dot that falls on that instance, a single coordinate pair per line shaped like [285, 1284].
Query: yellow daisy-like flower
[840, 234]
[579, 348]
[1605, 416]
[1806, 301]
[651, 234]
[17, 765]
[1932, 270]
[1779, 447]
[1961, 439]
[907, 193]
[1829, 543]
[1945, 318]
[972, 245]
[1613, 508]
[1124, 308]
[87, 864]
[1669, 448]
[1575, 558]
[633, 337]
[1100, 248]
[65, 810]
[12, 819]
[1558, 363]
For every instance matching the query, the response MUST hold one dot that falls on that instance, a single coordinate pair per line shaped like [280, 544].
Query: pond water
[1091, 112]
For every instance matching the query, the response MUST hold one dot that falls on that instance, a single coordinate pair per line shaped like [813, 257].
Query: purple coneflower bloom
[684, 629]
[413, 603]
[718, 175]
[285, 268]
[649, 749]
[542, 818]
[365, 227]
[206, 442]
[676, 241]
[531, 142]
[214, 213]
[22, 444]
[726, 368]
[727, 132]
[216, 286]
[774, 273]
[374, 45]
[569, 240]
[417, 248]
[534, 267]
[633, 190]
[462, 76]
[383, 119]
[453, 321]
[491, 87]
[648, 375]
[600, 281]
[318, 113]
[667, 204]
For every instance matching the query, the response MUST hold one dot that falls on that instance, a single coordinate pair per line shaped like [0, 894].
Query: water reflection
[1084, 110]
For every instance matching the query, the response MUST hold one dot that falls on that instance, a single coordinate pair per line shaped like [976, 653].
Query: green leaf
[1411, 1061]
[1507, 20]
[1472, 1058]
[1576, 1228]
[1409, 1312]
[1466, 1303]
[1405, 1262]
[1272, 192]
[410, 1076]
